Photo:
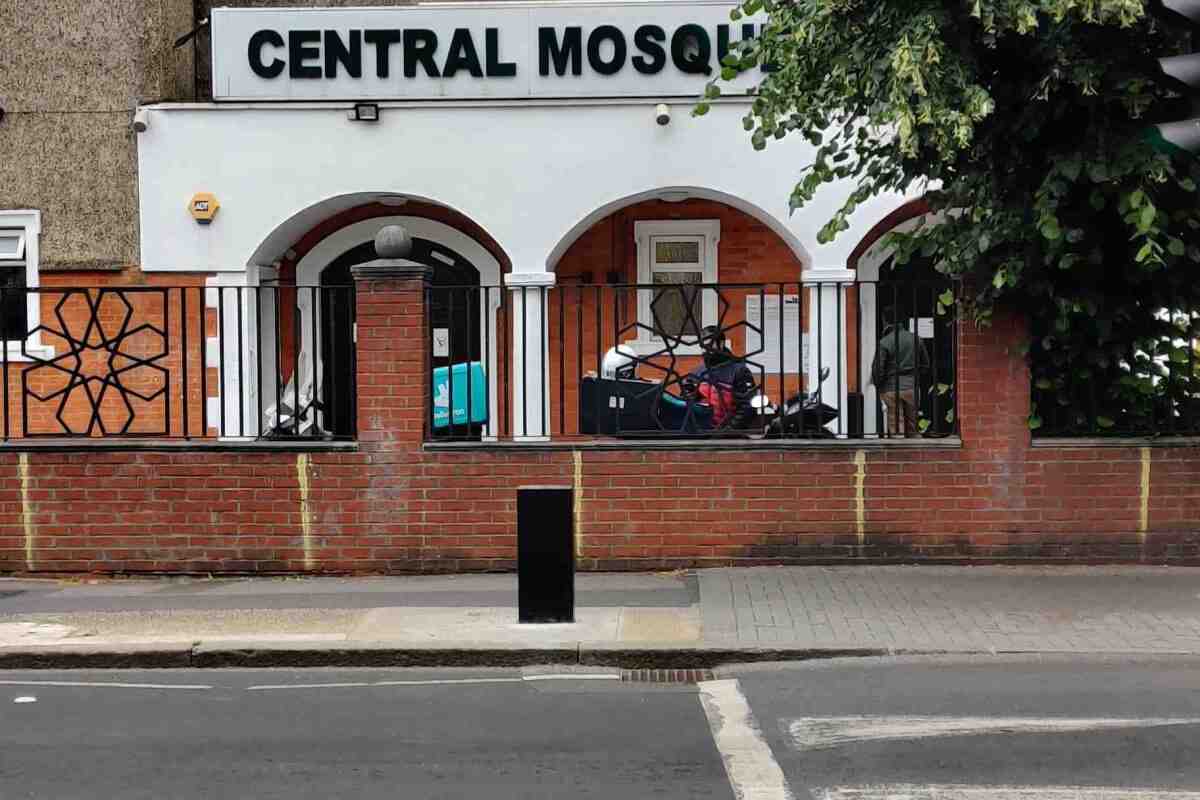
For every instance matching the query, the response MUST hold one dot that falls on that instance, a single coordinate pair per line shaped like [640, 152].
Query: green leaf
[1045, 384]
[1144, 253]
[1176, 247]
[1146, 219]
[1105, 422]
[942, 388]
[1050, 229]
[923, 425]
[1035, 422]
[946, 298]
[700, 110]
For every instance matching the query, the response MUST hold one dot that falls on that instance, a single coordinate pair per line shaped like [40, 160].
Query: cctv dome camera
[141, 120]
[662, 114]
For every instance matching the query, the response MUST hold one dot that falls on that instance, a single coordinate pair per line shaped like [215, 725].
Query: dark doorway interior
[454, 310]
[912, 289]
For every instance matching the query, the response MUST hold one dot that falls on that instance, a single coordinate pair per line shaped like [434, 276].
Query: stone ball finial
[393, 241]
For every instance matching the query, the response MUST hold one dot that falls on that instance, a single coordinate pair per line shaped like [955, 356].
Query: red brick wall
[393, 505]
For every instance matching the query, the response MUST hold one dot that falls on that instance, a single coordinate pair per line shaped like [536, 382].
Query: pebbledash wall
[392, 503]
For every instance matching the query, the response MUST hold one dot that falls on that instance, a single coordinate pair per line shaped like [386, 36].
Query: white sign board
[474, 51]
[794, 339]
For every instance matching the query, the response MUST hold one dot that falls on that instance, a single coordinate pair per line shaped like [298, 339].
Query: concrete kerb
[648, 655]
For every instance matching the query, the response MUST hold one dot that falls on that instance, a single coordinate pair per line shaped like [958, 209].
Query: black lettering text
[299, 50]
[462, 55]
[495, 67]
[336, 53]
[570, 51]
[254, 53]
[382, 40]
[419, 47]
[691, 49]
[648, 39]
[723, 38]
[595, 39]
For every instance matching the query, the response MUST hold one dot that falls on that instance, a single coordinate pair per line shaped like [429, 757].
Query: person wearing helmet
[724, 382]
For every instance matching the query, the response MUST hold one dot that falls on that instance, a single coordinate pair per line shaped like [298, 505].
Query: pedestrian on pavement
[900, 359]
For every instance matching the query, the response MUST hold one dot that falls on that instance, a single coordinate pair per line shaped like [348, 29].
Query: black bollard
[545, 554]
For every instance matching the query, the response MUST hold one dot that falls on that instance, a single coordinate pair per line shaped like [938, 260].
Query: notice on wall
[441, 342]
[762, 312]
[923, 327]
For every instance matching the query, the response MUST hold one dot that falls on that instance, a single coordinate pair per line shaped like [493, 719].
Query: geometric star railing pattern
[677, 406]
[106, 375]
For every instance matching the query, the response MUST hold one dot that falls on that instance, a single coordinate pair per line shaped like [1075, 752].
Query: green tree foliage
[1024, 122]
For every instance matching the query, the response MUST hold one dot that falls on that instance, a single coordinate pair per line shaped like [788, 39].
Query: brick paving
[1020, 608]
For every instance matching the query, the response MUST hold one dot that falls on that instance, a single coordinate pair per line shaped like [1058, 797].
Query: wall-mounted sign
[203, 207]
[473, 52]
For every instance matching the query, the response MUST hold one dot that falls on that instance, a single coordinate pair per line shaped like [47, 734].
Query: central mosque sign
[463, 52]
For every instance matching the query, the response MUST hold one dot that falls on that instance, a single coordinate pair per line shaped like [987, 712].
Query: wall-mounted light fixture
[364, 112]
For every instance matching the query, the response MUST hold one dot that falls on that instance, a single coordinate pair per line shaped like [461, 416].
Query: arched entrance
[320, 263]
[454, 317]
[910, 292]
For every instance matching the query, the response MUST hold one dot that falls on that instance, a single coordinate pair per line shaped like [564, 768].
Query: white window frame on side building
[708, 232]
[28, 226]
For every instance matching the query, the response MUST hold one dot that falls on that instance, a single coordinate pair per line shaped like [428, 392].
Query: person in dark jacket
[724, 382]
[900, 359]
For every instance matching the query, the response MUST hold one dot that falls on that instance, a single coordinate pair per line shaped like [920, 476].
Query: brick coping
[1115, 441]
[151, 445]
[947, 443]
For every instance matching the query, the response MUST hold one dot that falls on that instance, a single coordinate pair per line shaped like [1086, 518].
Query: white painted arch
[308, 269]
[673, 194]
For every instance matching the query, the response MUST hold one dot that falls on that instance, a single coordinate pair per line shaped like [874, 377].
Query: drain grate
[666, 675]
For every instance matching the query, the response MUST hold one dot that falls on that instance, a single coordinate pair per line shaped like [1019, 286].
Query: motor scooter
[803, 415]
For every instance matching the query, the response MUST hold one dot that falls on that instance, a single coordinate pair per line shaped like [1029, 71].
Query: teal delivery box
[469, 386]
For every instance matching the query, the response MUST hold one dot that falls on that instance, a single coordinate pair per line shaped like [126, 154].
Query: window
[19, 231]
[13, 317]
[678, 256]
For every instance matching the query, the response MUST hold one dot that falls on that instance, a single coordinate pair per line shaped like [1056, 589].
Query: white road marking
[749, 763]
[372, 684]
[25, 699]
[105, 685]
[809, 733]
[569, 676]
[903, 791]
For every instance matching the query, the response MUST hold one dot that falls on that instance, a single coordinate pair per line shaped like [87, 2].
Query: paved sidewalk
[671, 619]
[976, 609]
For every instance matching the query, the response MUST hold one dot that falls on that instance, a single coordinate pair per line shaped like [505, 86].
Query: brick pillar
[993, 408]
[393, 351]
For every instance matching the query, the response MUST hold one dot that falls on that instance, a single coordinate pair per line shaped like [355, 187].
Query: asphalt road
[918, 729]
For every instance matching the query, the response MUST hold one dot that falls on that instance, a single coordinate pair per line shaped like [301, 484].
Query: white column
[238, 398]
[530, 294]
[828, 346]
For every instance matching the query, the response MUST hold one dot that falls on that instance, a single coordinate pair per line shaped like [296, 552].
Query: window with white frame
[19, 231]
[675, 258]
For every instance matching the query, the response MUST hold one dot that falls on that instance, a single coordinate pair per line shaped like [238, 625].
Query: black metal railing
[1150, 387]
[747, 361]
[183, 362]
